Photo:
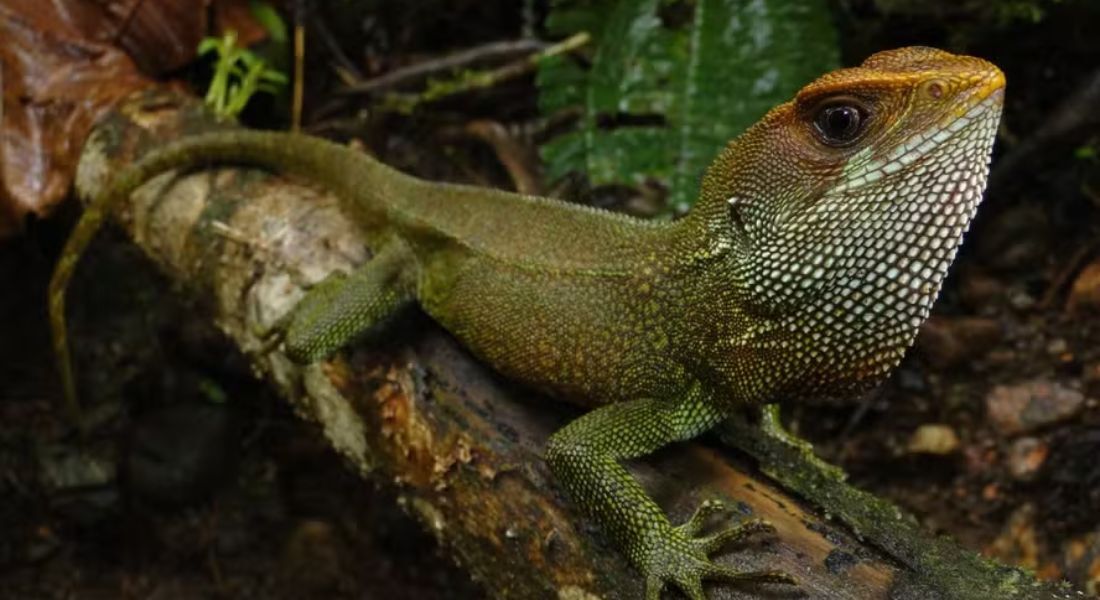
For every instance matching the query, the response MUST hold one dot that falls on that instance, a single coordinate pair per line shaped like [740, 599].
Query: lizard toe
[706, 509]
[680, 558]
[733, 533]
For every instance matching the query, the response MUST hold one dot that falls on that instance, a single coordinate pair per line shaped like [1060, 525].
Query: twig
[469, 81]
[458, 60]
[345, 69]
[513, 155]
[299, 70]
[1068, 270]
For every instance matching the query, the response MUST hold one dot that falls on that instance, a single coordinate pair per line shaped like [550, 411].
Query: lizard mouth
[986, 88]
[983, 99]
[994, 86]
[986, 95]
[986, 106]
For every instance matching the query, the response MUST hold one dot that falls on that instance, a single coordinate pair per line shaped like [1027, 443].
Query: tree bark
[418, 412]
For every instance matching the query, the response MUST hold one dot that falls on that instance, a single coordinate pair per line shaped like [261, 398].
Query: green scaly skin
[804, 270]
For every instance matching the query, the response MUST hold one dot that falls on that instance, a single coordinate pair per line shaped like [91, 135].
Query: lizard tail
[351, 174]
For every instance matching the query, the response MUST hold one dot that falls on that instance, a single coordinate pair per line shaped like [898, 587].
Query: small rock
[1015, 409]
[65, 468]
[1020, 300]
[1057, 346]
[1026, 456]
[1084, 295]
[933, 438]
[947, 342]
[82, 481]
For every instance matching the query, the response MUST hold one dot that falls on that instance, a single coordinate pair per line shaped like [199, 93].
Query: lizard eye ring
[839, 122]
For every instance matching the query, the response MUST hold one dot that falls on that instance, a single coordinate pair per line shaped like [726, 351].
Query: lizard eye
[840, 122]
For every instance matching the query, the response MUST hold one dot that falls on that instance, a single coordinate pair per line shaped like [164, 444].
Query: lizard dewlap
[817, 247]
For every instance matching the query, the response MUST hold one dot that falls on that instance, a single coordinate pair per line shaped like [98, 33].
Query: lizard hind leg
[343, 306]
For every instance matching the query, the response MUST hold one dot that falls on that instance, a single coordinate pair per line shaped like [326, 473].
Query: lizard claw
[273, 335]
[693, 525]
[678, 556]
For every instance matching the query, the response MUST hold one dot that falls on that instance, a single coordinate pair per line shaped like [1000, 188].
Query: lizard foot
[274, 334]
[772, 427]
[678, 555]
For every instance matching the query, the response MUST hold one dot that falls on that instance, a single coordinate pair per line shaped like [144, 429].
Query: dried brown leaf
[56, 83]
[64, 63]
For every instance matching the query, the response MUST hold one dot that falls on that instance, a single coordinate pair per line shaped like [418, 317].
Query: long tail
[349, 174]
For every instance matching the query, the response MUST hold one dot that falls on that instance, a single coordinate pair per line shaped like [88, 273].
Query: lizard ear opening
[737, 219]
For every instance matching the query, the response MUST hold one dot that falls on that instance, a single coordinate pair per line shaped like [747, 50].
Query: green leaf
[208, 45]
[238, 75]
[672, 81]
[270, 20]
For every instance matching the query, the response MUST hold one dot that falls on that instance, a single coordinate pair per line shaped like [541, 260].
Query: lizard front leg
[585, 455]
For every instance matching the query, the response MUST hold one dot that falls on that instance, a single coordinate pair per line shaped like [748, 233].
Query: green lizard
[817, 247]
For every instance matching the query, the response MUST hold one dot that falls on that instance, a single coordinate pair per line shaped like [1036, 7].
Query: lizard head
[843, 208]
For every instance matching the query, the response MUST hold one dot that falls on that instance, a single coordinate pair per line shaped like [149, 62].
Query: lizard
[817, 246]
